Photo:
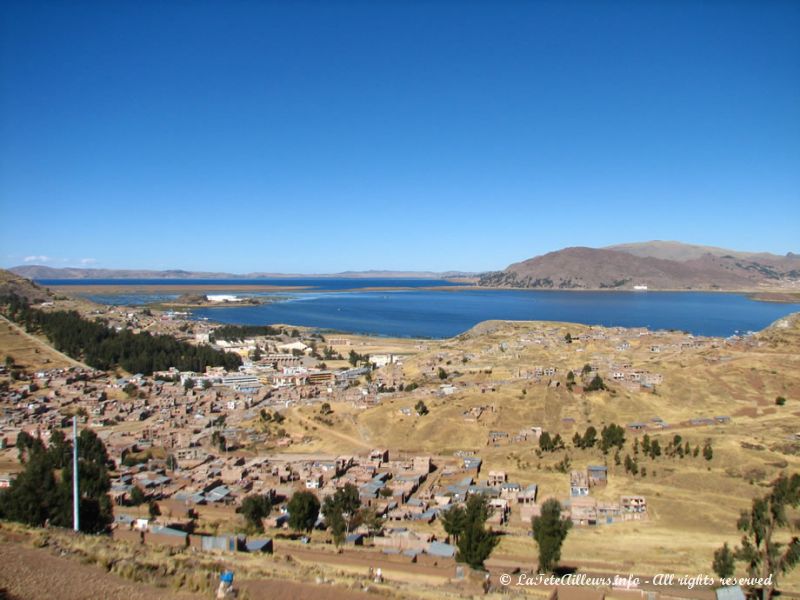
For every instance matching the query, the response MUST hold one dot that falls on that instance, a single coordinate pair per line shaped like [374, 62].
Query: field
[693, 503]
[30, 352]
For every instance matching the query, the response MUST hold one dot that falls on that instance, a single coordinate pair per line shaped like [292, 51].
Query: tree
[137, 496]
[612, 435]
[337, 524]
[442, 373]
[171, 462]
[596, 384]
[549, 532]
[475, 542]
[188, 384]
[421, 408]
[153, 509]
[589, 437]
[325, 409]
[723, 564]
[453, 521]
[780, 401]
[760, 551]
[370, 518]
[10, 361]
[655, 449]
[254, 509]
[545, 442]
[340, 510]
[303, 511]
[568, 338]
[708, 452]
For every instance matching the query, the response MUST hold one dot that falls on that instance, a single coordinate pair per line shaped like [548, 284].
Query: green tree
[780, 401]
[254, 509]
[153, 509]
[589, 437]
[137, 496]
[421, 408]
[708, 452]
[549, 532]
[596, 384]
[723, 564]
[762, 553]
[341, 509]
[325, 409]
[453, 521]
[612, 435]
[475, 543]
[442, 373]
[303, 511]
[171, 462]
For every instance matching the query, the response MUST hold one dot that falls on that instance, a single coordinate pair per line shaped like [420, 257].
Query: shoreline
[776, 295]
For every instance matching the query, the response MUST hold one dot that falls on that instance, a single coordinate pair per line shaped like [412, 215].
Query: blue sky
[326, 136]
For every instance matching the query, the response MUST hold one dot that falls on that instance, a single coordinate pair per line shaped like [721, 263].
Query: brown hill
[10, 283]
[642, 264]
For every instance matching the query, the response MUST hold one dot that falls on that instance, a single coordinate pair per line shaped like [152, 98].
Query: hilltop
[657, 265]
[11, 283]
[45, 272]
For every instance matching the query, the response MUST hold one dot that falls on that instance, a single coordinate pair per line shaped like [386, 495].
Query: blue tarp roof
[258, 545]
[441, 549]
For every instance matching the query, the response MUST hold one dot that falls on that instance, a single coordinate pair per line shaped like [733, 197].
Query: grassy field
[30, 352]
[693, 503]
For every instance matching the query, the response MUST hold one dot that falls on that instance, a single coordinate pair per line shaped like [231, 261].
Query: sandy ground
[34, 574]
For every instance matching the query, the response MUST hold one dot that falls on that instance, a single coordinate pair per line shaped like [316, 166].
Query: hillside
[43, 272]
[11, 283]
[658, 265]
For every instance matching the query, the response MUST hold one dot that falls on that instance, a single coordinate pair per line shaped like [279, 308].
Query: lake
[417, 312]
[443, 314]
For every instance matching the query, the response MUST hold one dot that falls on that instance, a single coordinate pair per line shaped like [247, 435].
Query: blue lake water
[444, 313]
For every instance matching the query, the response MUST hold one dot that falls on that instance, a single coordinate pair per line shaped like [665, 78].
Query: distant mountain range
[38, 272]
[659, 265]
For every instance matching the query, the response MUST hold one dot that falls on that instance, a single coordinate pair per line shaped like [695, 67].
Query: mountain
[38, 272]
[11, 283]
[683, 252]
[657, 265]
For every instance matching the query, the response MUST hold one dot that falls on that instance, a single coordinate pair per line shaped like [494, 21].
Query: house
[166, 536]
[598, 474]
[528, 496]
[583, 511]
[633, 504]
[441, 550]
[259, 545]
[496, 478]
[578, 484]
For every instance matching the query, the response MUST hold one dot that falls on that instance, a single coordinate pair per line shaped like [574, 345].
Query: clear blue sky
[325, 136]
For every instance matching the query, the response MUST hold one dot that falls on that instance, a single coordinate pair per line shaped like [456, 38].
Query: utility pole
[75, 495]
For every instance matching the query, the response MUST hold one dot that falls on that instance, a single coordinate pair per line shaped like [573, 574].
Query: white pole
[75, 496]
